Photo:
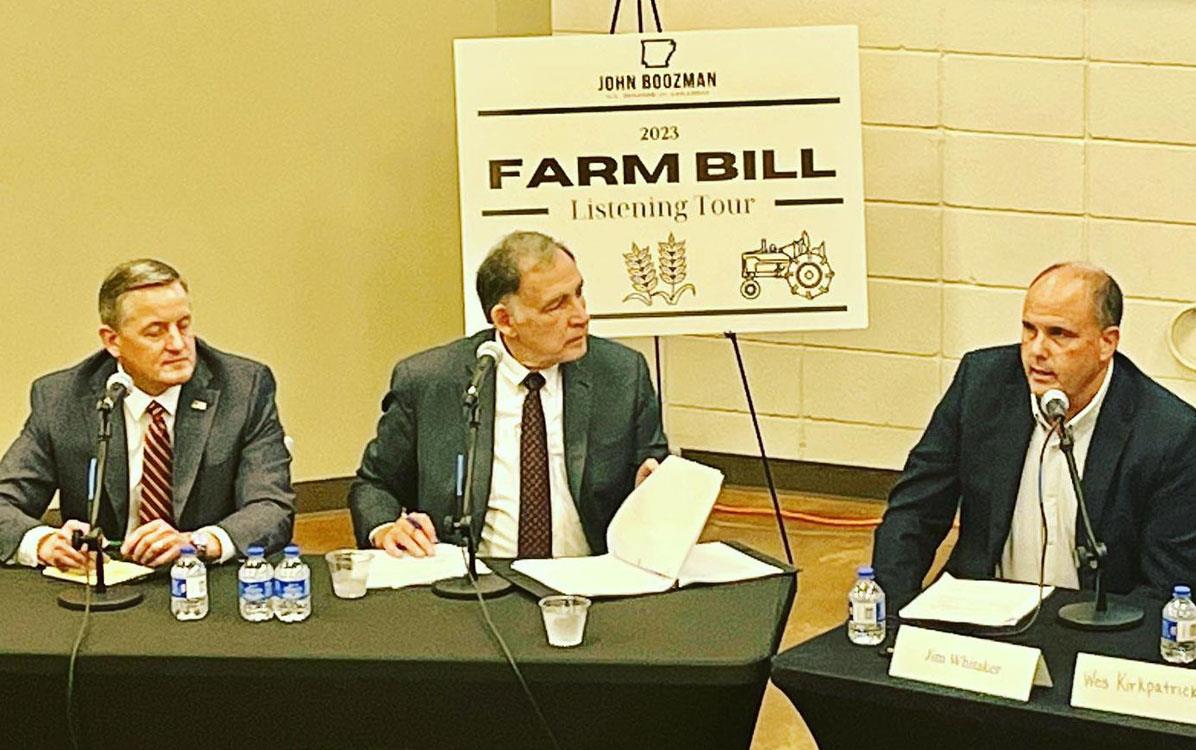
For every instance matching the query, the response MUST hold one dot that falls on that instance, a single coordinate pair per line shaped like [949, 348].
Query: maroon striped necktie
[535, 506]
[156, 469]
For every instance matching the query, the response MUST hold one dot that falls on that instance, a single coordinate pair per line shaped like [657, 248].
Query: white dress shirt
[1023, 548]
[500, 531]
[137, 422]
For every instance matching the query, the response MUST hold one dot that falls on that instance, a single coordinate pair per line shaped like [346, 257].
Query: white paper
[388, 572]
[987, 603]
[715, 562]
[115, 572]
[605, 575]
[978, 664]
[660, 521]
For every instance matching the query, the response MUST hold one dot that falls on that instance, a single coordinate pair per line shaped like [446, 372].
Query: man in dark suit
[980, 455]
[569, 422]
[196, 456]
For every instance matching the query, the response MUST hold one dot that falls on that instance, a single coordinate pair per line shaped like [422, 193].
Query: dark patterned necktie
[535, 508]
[157, 468]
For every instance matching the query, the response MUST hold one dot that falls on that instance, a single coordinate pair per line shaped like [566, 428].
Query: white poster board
[706, 181]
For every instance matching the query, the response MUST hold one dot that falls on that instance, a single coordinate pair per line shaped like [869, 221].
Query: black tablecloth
[396, 669]
[844, 694]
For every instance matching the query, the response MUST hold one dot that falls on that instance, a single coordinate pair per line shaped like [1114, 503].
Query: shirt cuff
[227, 550]
[376, 529]
[27, 551]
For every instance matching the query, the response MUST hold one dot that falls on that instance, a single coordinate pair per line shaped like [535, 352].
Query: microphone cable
[502, 644]
[1042, 552]
[71, 709]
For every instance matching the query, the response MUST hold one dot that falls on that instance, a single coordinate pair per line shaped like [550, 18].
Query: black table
[844, 694]
[402, 668]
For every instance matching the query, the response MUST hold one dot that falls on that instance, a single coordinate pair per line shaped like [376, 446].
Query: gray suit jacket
[231, 467]
[612, 424]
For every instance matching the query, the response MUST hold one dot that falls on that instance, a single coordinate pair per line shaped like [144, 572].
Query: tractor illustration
[804, 268]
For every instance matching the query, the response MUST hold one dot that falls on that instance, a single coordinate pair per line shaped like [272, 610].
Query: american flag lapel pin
[198, 405]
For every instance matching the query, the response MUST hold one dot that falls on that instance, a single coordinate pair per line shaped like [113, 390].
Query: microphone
[489, 354]
[119, 385]
[1054, 404]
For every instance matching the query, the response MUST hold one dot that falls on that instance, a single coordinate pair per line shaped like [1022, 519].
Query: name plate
[975, 664]
[1134, 688]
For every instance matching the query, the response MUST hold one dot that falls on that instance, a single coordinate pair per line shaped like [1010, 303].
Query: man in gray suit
[569, 422]
[196, 456]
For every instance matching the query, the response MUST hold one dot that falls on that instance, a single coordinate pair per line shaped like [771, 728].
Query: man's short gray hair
[1106, 293]
[130, 275]
[499, 274]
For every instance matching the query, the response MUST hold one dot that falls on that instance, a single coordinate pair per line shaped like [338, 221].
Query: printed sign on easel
[706, 181]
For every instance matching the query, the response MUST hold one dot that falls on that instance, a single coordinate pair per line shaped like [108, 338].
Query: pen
[411, 520]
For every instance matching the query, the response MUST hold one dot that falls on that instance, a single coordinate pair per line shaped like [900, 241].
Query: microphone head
[1054, 403]
[491, 349]
[119, 380]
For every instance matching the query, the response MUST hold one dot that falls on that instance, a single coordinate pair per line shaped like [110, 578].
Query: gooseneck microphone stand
[471, 584]
[1098, 614]
[101, 599]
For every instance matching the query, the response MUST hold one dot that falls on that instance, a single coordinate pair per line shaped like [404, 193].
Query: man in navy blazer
[980, 456]
[225, 481]
[602, 418]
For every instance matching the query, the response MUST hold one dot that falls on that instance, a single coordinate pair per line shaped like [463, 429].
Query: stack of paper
[653, 541]
[388, 572]
[115, 571]
[988, 603]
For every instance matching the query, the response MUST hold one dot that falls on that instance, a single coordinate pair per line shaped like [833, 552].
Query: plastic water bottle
[255, 586]
[866, 610]
[1178, 644]
[292, 587]
[188, 586]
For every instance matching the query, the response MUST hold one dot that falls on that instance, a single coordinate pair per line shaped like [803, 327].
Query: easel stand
[772, 487]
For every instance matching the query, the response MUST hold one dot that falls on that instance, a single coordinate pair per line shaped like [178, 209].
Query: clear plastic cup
[564, 619]
[350, 568]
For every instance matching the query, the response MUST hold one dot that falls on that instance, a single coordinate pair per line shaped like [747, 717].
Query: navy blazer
[612, 424]
[1139, 480]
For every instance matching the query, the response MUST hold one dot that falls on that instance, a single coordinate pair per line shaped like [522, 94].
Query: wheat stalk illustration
[673, 270]
[641, 272]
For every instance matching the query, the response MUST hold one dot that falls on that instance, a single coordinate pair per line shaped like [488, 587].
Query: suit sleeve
[923, 503]
[1168, 546]
[388, 473]
[265, 501]
[649, 435]
[28, 477]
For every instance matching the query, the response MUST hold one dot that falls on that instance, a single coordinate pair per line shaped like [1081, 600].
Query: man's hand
[411, 533]
[153, 544]
[55, 549]
[646, 468]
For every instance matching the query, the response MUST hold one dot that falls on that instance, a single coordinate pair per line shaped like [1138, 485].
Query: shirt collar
[1087, 415]
[138, 400]
[513, 371]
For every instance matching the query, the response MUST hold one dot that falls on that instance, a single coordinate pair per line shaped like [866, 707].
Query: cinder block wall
[999, 137]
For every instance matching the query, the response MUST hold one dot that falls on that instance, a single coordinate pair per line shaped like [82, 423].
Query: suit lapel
[1005, 454]
[192, 424]
[1108, 440]
[576, 382]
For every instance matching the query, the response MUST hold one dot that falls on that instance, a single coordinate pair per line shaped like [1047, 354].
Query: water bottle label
[880, 611]
[254, 591]
[291, 589]
[865, 613]
[189, 588]
[1179, 632]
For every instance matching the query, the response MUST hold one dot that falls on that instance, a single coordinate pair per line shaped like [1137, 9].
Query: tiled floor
[826, 555]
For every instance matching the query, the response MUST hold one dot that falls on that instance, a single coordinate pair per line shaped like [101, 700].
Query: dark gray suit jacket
[612, 424]
[1139, 480]
[231, 467]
